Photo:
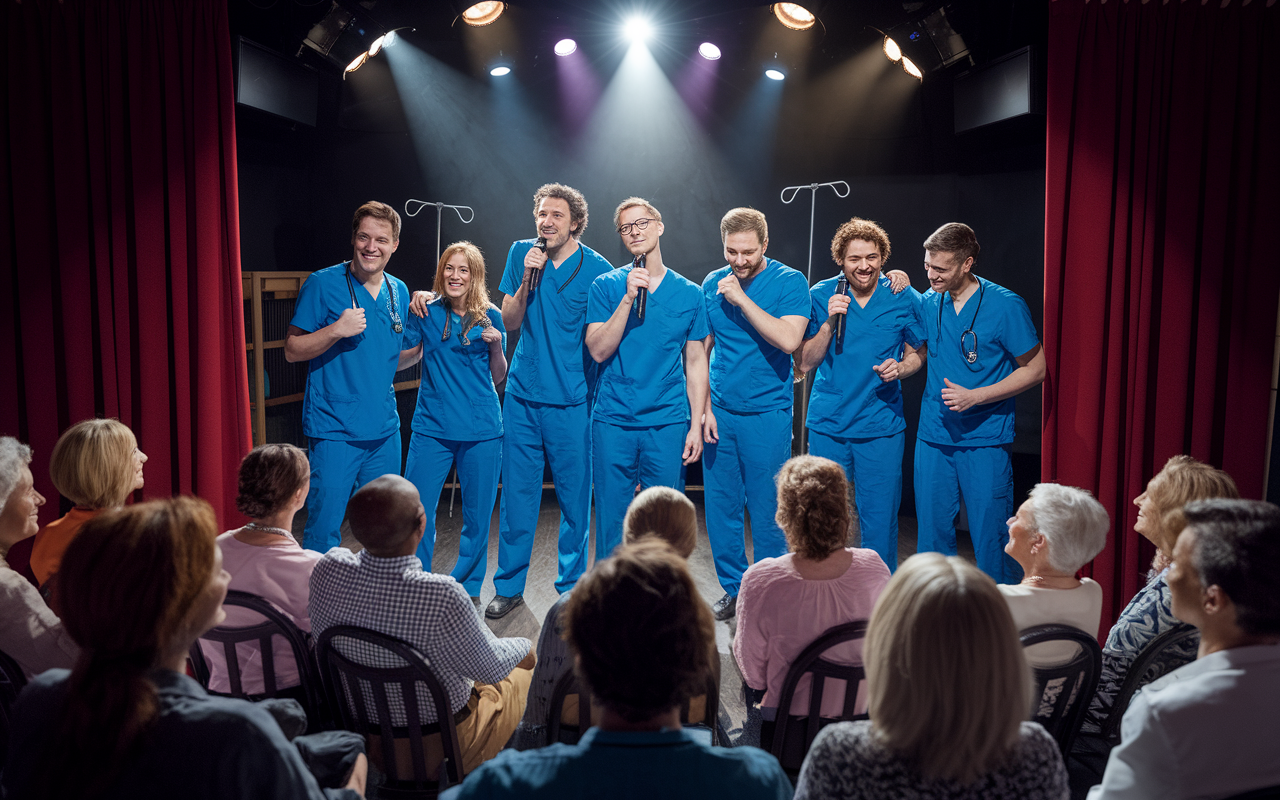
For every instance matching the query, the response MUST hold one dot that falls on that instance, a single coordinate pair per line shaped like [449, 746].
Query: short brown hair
[741, 220]
[577, 204]
[642, 635]
[858, 228]
[269, 476]
[380, 211]
[384, 514]
[666, 514]
[632, 202]
[1183, 480]
[813, 506]
[92, 463]
[955, 238]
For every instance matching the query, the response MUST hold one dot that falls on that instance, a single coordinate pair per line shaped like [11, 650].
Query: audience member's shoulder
[1035, 745]
[45, 687]
[864, 558]
[768, 571]
[339, 555]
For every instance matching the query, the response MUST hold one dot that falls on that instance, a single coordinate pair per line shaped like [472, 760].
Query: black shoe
[725, 607]
[500, 606]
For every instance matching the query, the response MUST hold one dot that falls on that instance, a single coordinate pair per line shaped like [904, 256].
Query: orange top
[53, 539]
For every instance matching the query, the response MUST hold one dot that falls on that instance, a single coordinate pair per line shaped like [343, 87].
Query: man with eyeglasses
[641, 319]
[982, 352]
[349, 324]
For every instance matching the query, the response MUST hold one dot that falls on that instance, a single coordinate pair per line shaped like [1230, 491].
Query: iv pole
[440, 207]
[813, 188]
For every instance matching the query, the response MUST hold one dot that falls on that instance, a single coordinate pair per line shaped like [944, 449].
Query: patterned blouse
[847, 761]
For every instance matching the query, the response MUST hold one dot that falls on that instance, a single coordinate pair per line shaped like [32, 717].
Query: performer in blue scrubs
[855, 409]
[758, 310]
[982, 351]
[545, 412]
[641, 430]
[458, 418]
[349, 323]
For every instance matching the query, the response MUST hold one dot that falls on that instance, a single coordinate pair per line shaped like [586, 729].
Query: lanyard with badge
[968, 339]
[393, 300]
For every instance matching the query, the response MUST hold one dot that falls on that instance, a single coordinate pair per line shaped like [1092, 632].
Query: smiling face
[745, 253]
[639, 241]
[1148, 523]
[1022, 534]
[945, 272]
[18, 520]
[139, 458]
[861, 265]
[373, 245]
[457, 276]
[555, 223]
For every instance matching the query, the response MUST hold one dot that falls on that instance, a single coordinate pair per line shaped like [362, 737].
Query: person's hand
[351, 323]
[889, 370]
[898, 280]
[533, 260]
[637, 279]
[838, 304]
[710, 434]
[693, 444]
[528, 661]
[491, 335]
[959, 398]
[359, 775]
[731, 290]
[418, 302]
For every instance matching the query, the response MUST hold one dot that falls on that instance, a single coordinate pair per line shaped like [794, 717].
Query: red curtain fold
[120, 222]
[1160, 303]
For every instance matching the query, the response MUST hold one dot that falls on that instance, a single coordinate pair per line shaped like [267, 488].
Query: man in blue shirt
[545, 412]
[982, 351]
[642, 431]
[643, 643]
[855, 410]
[758, 310]
[349, 323]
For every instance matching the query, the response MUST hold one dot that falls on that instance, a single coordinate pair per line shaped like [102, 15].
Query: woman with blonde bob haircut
[949, 695]
[96, 464]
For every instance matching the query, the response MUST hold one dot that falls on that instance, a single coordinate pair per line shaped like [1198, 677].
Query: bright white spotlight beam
[638, 29]
[709, 51]
[774, 74]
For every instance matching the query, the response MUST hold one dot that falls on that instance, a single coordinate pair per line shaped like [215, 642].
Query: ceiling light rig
[484, 13]
[566, 47]
[381, 43]
[794, 16]
[709, 51]
[894, 53]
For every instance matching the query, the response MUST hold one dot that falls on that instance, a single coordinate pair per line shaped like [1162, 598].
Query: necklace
[253, 526]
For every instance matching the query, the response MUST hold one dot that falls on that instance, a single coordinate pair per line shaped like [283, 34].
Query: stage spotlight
[565, 47]
[381, 43]
[794, 16]
[483, 13]
[709, 51]
[912, 69]
[891, 49]
[774, 74]
[638, 29]
[498, 72]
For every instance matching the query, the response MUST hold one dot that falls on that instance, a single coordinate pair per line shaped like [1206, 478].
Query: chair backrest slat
[1064, 689]
[1172, 649]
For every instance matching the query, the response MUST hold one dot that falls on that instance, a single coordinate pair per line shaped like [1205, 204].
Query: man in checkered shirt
[384, 588]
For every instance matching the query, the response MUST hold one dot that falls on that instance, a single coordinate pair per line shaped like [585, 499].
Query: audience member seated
[137, 587]
[786, 603]
[949, 693]
[384, 588]
[1211, 729]
[95, 464]
[1150, 613]
[264, 559]
[642, 637]
[659, 511]
[1055, 532]
[29, 632]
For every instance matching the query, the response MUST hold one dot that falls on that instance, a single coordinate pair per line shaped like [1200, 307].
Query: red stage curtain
[1161, 205]
[120, 221]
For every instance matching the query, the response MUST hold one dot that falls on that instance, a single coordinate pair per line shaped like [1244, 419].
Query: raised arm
[603, 338]
[302, 346]
[1030, 372]
[514, 305]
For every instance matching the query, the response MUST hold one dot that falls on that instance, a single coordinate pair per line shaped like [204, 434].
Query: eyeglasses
[640, 224]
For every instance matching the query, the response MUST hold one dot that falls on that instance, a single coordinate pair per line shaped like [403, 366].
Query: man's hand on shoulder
[418, 303]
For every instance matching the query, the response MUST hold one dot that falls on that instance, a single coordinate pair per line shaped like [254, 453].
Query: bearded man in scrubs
[349, 324]
[982, 351]
[855, 410]
[545, 413]
[758, 310]
[642, 431]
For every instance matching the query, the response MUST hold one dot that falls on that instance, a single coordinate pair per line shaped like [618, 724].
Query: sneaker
[724, 608]
[500, 606]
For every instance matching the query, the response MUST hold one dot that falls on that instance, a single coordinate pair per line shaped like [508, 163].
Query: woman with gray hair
[1055, 532]
[29, 631]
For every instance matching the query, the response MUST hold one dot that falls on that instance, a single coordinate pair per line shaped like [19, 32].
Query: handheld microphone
[642, 295]
[842, 288]
[535, 280]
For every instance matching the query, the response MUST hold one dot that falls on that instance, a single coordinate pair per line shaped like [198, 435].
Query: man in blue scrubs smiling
[983, 351]
[545, 412]
[349, 323]
[758, 309]
[641, 429]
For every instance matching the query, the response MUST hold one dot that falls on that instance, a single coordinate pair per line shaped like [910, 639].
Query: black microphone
[642, 294]
[842, 288]
[535, 280]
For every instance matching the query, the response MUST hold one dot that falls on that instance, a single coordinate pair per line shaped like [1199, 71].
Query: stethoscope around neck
[393, 300]
[968, 339]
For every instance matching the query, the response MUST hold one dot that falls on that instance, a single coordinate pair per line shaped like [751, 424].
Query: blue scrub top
[1004, 331]
[749, 375]
[643, 383]
[849, 400]
[457, 399]
[349, 395]
[551, 364]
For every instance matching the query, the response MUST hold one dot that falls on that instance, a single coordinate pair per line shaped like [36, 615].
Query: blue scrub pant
[875, 467]
[739, 469]
[623, 457]
[479, 465]
[984, 476]
[563, 435]
[338, 468]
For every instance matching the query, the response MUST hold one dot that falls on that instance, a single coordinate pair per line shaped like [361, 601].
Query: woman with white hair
[1055, 532]
[29, 632]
